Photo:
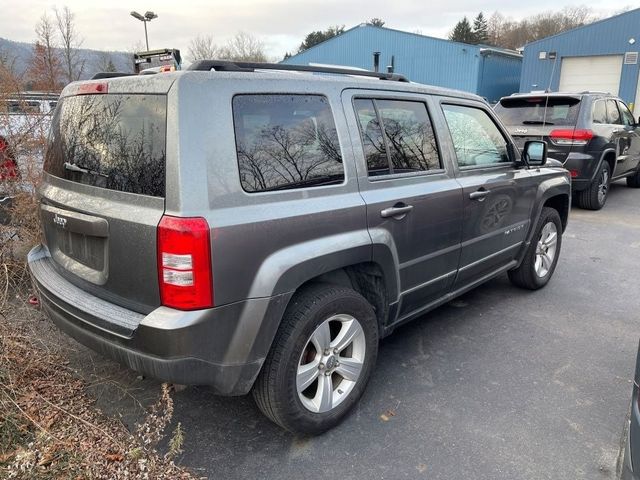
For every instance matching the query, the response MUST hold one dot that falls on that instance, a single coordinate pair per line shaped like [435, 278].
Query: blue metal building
[487, 71]
[601, 56]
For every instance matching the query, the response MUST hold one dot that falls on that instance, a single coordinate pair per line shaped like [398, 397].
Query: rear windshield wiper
[72, 167]
[536, 122]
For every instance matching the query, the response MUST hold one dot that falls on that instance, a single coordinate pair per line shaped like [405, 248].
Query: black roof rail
[100, 75]
[230, 66]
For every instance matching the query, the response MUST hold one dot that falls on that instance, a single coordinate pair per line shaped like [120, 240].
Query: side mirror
[534, 153]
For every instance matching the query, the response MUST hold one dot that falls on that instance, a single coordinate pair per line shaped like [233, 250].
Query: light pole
[147, 17]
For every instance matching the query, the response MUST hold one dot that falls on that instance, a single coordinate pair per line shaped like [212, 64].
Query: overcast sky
[280, 24]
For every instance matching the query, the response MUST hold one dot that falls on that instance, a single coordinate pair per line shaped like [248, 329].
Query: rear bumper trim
[95, 311]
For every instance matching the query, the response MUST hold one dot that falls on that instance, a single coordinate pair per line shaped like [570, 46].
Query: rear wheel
[541, 257]
[634, 180]
[595, 195]
[321, 359]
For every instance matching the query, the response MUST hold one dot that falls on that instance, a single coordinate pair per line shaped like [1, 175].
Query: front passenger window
[476, 138]
[613, 113]
[627, 118]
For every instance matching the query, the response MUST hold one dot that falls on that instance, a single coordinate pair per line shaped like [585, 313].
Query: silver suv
[254, 229]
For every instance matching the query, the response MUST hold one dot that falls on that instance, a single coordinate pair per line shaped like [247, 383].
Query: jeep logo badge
[520, 131]
[60, 221]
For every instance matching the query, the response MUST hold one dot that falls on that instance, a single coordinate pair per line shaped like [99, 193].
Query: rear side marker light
[184, 263]
[571, 137]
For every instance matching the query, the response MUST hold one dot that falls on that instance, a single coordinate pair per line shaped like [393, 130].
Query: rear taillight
[571, 137]
[184, 263]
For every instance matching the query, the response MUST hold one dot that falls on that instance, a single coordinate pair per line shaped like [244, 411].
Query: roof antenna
[553, 55]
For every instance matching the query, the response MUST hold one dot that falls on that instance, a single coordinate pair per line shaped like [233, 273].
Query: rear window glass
[285, 142]
[115, 142]
[538, 110]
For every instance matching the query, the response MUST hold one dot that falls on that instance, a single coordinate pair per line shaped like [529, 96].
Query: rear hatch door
[535, 117]
[103, 194]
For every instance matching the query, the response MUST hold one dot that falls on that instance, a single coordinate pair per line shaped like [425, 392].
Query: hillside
[94, 59]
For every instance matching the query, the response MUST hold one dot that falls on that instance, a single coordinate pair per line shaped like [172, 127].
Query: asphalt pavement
[499, 384]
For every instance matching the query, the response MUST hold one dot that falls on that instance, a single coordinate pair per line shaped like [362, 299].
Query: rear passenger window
[285, 142]
[613, 114]
[476, 138]
[408, 143]
[600, 112]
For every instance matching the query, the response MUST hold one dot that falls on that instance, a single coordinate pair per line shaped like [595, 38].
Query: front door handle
[398, 211]
[479, 195]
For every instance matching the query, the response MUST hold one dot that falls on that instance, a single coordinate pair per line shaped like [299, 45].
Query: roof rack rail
[100, 75]
[229, 66]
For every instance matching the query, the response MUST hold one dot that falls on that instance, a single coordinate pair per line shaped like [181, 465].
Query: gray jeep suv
[261, 230]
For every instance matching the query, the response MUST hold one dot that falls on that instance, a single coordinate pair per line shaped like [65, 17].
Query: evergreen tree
[480, 29]
[462, 32]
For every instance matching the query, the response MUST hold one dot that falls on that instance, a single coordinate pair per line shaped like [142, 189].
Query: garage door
[597, 74]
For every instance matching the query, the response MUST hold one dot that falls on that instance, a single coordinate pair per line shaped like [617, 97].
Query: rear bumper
[224, 347]
[585, 165]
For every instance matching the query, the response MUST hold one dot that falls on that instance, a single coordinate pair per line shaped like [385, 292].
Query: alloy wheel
[331, 363]
[546, 249]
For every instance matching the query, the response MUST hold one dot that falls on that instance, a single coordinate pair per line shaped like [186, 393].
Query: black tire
[590, 199]
[275, 391]
[634, 180]
[525, 276]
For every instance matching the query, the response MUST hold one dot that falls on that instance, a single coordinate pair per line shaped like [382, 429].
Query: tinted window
[285, 142]
[600, 112]
[613, 114]
[538, 110]
[476, 139]
[408, 136]
[110, 141]
[627, 118]
[372, 138]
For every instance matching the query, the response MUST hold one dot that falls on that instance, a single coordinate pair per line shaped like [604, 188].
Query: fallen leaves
[55, 431]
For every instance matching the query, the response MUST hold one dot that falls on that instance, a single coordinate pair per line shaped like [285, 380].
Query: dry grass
[49, 426]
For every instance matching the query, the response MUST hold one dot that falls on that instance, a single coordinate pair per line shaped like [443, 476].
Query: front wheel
[321, 359]
[541, 257]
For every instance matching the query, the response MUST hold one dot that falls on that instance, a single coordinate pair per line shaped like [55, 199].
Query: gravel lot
[499, 384]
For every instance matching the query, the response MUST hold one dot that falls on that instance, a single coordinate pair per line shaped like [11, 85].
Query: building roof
[479, 47]
[586, 26]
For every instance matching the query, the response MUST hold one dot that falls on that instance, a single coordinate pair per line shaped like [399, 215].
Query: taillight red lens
[571, 137]
[574, 173]
[184, 263]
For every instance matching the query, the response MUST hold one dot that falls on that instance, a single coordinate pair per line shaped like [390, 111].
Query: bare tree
[202, 47]
[73, 64]
[44, 68]
[244, 47]
[508, 33]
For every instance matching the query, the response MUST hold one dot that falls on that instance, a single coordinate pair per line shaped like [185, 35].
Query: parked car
[631, 459]
[23, 117]
[260, 230]
[593, 134]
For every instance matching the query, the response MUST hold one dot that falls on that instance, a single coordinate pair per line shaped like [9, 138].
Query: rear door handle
[479, 195]
[398, 211]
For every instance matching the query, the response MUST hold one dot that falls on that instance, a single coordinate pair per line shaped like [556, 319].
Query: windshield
[531, 110]
[115, 142]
